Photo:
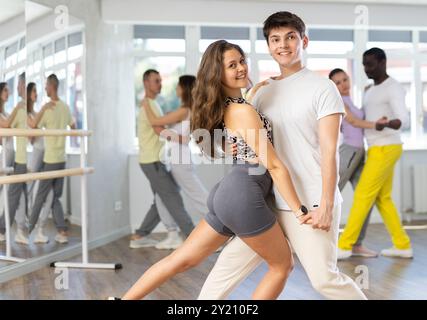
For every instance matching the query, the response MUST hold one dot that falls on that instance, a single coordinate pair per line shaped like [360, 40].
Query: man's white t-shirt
[386, 99]
[294, 105]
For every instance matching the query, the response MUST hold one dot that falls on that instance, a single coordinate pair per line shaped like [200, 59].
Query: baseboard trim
[33, 264]
[75, 220]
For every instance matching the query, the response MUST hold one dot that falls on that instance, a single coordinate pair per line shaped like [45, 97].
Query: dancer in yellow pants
[375, 187]
[385, 98]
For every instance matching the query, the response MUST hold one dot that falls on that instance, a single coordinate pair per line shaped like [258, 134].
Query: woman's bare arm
[356, 122]
[6, 122]
[170, 118]
[33, 122]
[244, 120]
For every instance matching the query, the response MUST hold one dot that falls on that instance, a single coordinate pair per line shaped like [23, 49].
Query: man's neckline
[290, 77]
[384, 81]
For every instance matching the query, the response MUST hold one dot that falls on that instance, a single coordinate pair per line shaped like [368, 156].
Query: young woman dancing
[237, 204]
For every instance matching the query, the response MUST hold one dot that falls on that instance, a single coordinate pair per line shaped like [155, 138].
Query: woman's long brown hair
[208, 94]
[2, 103]
[30, 104]
[186, 82]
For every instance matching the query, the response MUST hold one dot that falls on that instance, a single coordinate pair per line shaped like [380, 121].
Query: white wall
[254, 12]
[12, 29]
[110, 114]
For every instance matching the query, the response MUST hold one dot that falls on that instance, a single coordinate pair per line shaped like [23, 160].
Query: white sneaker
[143, 242]
[398, 253]
[343, 254]
[40, 237]
[172, 241]
[21, 237]
[2, 237]
[361, 251]
[61, 238]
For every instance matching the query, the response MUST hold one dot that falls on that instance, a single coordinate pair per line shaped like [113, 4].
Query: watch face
[304, 209]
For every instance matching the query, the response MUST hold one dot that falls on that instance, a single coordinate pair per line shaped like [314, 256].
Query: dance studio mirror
[12, 64]
[42, 63]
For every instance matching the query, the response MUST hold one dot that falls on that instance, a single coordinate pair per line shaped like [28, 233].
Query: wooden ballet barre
[25, 177]
[43, 133]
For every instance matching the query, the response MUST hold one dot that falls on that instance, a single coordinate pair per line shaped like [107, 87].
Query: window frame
[360, 39]
[55, 68]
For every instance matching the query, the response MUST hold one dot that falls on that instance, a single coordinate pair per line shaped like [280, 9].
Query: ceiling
[355, 2]
[10, 9]
[34, 11]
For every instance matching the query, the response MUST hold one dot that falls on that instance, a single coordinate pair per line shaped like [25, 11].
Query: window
[12, 64]
[424, 96]
[330, 41]
[329, 49]
[75, 96]
[174, 50]
[75, 45]
[48, 56]
[159, 38]
[160, 45]
[392, 42]
[239, 36]
[325, 65]
[59, 56]
[161, 48]
[267, 69]
[10, 80]
[398, 47]
[402, 71]
[422, 45]
[260, 42]
[22, 53]
[62, 56]
[11, 55]
[170, 68]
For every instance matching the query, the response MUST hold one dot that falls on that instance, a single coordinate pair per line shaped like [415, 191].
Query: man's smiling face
[286, 45]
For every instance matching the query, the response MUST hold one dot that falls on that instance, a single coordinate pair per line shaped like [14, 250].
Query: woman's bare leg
[201, 243]
[273, 247]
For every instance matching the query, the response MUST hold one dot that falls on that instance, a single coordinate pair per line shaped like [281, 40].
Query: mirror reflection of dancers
[35, 163]
[5, 122]
[17, 119]
[237, 204]
[58, 116]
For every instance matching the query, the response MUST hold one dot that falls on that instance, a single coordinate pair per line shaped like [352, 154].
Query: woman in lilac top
[352, 150]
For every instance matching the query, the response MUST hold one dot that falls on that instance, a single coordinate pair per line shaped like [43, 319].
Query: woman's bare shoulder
[240, 114]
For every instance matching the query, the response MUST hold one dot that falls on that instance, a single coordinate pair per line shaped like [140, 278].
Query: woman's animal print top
[244, 152]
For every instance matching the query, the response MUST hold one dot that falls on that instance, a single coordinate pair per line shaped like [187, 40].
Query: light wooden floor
[389, 278]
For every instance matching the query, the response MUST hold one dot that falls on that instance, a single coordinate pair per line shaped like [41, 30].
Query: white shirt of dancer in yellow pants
[294, 105]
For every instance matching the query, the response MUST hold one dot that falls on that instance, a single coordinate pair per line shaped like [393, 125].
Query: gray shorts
[237, 204]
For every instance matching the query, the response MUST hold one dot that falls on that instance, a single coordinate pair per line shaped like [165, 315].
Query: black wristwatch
[302, 211]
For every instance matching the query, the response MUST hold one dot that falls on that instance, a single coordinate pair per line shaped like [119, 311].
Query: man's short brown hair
[283, 19]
